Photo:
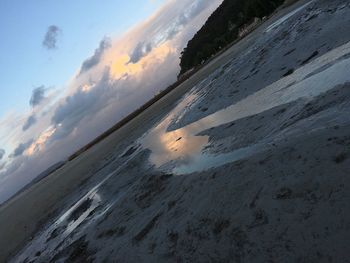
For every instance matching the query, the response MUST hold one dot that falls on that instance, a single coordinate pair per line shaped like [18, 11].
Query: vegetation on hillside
[222, 27]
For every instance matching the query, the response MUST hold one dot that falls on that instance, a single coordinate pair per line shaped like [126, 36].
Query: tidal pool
[182, 149]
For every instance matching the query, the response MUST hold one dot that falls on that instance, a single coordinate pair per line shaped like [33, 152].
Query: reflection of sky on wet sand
[48, 240]
[286, 17]
[185, 147]
[176, 145]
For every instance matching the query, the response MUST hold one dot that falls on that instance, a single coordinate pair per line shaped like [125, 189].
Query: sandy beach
[247, 161]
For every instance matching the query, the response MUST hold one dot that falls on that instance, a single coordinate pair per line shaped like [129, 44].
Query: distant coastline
[182, 77]
[231, 21]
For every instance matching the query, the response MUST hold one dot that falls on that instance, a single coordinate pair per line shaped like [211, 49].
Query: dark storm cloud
[21, 148]
[29, 123]
[2, 153]
[142, 49]
[96, 57]
[50, 38]
[38, 96]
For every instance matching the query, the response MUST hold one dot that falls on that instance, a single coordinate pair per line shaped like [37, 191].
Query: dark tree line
[222, 27]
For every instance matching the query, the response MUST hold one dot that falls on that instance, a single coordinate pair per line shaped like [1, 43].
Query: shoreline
[57, 185]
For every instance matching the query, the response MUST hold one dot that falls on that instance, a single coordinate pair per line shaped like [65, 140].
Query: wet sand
[43, 201]
[247, 161]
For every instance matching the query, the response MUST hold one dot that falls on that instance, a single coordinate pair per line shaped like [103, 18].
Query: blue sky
[101, 60]
[26, 64]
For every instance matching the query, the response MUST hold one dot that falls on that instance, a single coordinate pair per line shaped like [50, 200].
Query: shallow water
[286, 17]
[184, 147]
[181, 150]
[62, 229]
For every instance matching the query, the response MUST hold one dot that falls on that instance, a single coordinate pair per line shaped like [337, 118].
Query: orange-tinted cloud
[39, 143]
[121, 66]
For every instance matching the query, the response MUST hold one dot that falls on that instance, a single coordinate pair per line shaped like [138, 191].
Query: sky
[72, 69]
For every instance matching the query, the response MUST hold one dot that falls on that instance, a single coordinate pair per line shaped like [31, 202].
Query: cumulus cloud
[70, 113]
[140, 51]
[113, 88]
[21, 149]
[81, 104]
[2, 153]
[51, 36]
[111, 98]
[29, 123]
[186, 17]
[38, 96]
[97, 56]
[143, 48]
[2, 165]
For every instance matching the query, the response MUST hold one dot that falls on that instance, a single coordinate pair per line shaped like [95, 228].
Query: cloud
[38, 96]
[50, 38]
[140, 51]
[117, 93]
[186, 17]
[21, 149]
[97, 56]
[29, 123]
[81, 104]
[143, 48]
[2, 153]
[91, 103]
[2, 165]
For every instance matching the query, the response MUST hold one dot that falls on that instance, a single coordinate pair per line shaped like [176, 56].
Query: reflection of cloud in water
[183, 145]
[179, 144]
